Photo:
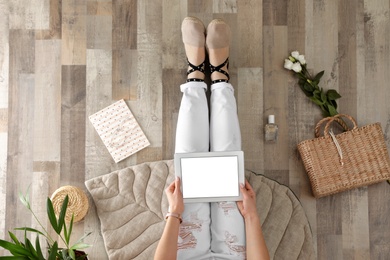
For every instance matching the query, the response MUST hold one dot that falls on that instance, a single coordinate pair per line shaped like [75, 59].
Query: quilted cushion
[131, 205]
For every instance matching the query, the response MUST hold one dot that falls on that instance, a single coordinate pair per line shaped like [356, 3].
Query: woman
[225, 230]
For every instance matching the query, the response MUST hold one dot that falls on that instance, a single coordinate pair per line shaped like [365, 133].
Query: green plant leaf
[52, 216]
[307, 93]
[14, 257]
[334, 103]
[325, 113]
[53, 251]
[68, 233]
[308, 87]
[25, 199]
[316, 101]
[61, 218]
[31, 248]
[16, 250]
[332, 110]
[332, 94]
[31, 230]
[38, 248]
[14, 238]
[323, 97]
[72, 254]
[319, 76]
[80, 246]
[83, 237]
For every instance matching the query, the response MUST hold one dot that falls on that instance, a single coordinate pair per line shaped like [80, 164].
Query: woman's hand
[175, 198]
[247, 207]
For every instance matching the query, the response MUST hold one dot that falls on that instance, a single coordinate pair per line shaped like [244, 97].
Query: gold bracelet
[175, 215]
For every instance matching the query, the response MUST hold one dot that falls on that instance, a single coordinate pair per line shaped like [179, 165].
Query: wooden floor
[63, 60]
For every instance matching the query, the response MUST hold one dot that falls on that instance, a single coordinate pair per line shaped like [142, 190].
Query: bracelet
[175, 215]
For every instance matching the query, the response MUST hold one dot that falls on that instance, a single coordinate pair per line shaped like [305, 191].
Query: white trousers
[209, 230]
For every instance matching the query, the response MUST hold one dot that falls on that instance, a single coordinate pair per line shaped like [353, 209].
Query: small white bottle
[271, 130]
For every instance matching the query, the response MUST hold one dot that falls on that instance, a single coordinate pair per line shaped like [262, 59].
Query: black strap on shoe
[193, 69]
[220, 70]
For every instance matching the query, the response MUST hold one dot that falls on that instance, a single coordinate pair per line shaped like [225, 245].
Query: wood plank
[20, 115]
[20, 149]
[55, 25]
[73, 125]
[347, 61]
[275, 96]
[73, 131]
[148, 106]
[202, 6]
[376, 109]
[74, 37]
[329, 227]
[4, 81]
[124, 24]
[250, 109]
[3, 183]
[225, 6]
[47, 96]
[99, 8]
[124, 74]
[28, 15]
[275, 12]
[299, 23]
[250, 33]
[45, 182]
[98, 96]
[97, 159]
[173, 55]
[171, 104]
[355, 224]
[99, 32]
[4, 53]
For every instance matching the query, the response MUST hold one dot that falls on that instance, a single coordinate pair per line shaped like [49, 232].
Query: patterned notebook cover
[119, 130]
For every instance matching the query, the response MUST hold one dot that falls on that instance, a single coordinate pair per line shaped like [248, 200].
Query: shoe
[193, 33]
[217, 44]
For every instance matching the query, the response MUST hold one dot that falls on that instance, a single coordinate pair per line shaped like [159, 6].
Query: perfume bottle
[271, 130]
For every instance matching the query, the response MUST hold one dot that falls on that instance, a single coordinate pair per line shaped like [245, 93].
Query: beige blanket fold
[131, 205]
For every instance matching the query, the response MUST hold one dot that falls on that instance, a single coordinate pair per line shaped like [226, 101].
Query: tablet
[210, 176]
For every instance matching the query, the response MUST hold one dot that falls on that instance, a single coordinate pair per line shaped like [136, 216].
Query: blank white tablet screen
[210, 177]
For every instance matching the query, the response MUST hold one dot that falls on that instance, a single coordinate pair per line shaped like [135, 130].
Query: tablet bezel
[241, 173]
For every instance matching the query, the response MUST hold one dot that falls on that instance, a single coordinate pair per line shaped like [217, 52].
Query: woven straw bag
[335, 163]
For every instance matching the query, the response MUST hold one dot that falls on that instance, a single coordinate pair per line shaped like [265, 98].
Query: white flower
[288, 64]
[301, 59]
[296, 67]
[295, 54]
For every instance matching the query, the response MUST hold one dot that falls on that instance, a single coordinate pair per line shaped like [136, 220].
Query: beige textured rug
[131, 205]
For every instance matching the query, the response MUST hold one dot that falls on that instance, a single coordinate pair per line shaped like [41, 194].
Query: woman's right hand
[175, 197]
[247, 206]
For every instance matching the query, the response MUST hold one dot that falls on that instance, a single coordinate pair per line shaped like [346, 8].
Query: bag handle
[329, 120]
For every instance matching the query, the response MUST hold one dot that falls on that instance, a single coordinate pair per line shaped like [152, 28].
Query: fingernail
[242, 185]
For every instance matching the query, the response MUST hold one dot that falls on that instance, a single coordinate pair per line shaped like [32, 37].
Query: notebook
[119, 130]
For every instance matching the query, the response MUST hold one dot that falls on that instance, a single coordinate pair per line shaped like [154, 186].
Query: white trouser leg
[227, 225]
[192, 132]
[192, 135]
[225, 132]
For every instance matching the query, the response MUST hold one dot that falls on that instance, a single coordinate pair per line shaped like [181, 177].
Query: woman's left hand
[175, 197]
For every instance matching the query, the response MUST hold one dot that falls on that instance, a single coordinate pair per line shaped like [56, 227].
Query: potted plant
[25, 249]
